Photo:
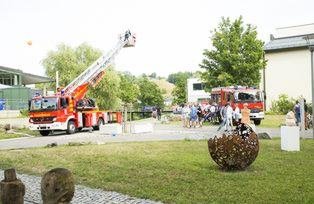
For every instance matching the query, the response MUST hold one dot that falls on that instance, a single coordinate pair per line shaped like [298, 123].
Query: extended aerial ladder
[68, 109]
[95, 72]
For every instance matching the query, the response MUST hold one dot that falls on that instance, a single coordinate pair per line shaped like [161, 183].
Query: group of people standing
[191, 115]
[297, 113]
[194, 115]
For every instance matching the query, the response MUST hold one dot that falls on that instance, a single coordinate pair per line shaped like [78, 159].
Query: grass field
[178, 172]
[22, 132]
[273, 121]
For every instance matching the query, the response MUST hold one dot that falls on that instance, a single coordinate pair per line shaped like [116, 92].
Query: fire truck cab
[240, 95]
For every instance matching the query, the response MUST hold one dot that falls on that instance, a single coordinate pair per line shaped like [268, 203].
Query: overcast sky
[171, 34]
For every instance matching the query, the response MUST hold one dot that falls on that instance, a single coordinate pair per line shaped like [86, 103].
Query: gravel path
[82, 194]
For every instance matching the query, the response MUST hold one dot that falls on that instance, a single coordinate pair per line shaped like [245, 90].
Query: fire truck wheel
[257, 122]
[100, 123]
[44, 132]
[71, 127]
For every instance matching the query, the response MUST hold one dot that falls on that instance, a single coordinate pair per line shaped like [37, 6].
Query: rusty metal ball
[234, 150]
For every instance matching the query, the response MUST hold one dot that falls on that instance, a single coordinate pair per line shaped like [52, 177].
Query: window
[216, 98]
[43, 104]
[198, 86]
[248, 96]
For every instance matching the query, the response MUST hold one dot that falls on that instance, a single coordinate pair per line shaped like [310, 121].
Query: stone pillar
[12, 190]
[57, 186]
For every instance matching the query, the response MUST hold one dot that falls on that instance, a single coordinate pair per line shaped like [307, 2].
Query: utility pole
[57, 80]
[311, 47]
[308, 39]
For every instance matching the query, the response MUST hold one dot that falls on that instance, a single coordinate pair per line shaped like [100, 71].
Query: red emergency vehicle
[68, 109]
[240, 95]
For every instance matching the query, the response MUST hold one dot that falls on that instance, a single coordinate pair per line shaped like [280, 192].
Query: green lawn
[23, 132]
[273, 121]
[178, 172]
[4, 135]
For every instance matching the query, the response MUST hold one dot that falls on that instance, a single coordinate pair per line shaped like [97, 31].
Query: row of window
[10, 79]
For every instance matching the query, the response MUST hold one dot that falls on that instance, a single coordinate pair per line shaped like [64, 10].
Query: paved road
[161, 132]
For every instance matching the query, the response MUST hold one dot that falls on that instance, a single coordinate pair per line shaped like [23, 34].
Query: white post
[45, 90]
[125, 118]
[302, 125]
[57, 80]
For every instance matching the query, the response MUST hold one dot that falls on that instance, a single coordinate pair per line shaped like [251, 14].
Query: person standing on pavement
[200, 115]
[305, 115]
[193, 116]
[297, 112]
[229, 114]
[158, 110]
[236, 113]
[223, 115]
[245, 112]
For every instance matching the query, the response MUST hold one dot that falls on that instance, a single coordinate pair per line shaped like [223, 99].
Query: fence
[17, 104]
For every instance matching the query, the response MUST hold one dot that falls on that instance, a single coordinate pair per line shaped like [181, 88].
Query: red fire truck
[68, 109]
[240, 95]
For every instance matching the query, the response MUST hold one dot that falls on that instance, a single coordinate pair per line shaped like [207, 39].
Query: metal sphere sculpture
[235, 150]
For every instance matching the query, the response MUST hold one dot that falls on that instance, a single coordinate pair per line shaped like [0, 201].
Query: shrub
[309, 106]
[283, 105]
[24, 113]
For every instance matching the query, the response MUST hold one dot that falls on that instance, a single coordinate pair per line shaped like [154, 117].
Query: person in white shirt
[229, 114]
[236, 113]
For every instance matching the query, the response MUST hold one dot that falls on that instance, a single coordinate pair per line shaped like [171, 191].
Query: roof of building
[291, 42]
[26, 77]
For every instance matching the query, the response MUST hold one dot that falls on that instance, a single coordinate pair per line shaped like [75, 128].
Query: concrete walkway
[161, 132]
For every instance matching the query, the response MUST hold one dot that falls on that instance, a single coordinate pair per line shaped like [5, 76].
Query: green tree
[180, 80]
[129, 90]
[107, 91]
[70, 62]
[153, 75]
[237, 56]
[179, 92]
[283, 105]
[174, 77]
[150, 93]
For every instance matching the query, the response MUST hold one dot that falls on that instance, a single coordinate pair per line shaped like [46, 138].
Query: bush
[283, 105]
[309, 105]
[24, 113]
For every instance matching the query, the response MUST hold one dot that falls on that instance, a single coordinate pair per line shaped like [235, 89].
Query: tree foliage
[174, 77]
[150, 93]
[179, 92]
[69, 61]
[237, 56]
[283, 105]
[107, 91]
[129, 90]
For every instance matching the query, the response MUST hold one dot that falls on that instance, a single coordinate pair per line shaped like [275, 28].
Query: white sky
[171, 34]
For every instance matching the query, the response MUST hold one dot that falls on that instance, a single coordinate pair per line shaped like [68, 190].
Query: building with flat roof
[14, 94]
[16, 77]
[288, 69]
[196, 92]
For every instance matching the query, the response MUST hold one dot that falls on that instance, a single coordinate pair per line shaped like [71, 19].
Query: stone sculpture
[57, 186]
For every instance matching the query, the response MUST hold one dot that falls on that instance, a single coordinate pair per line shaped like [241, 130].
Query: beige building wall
[287, 72]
